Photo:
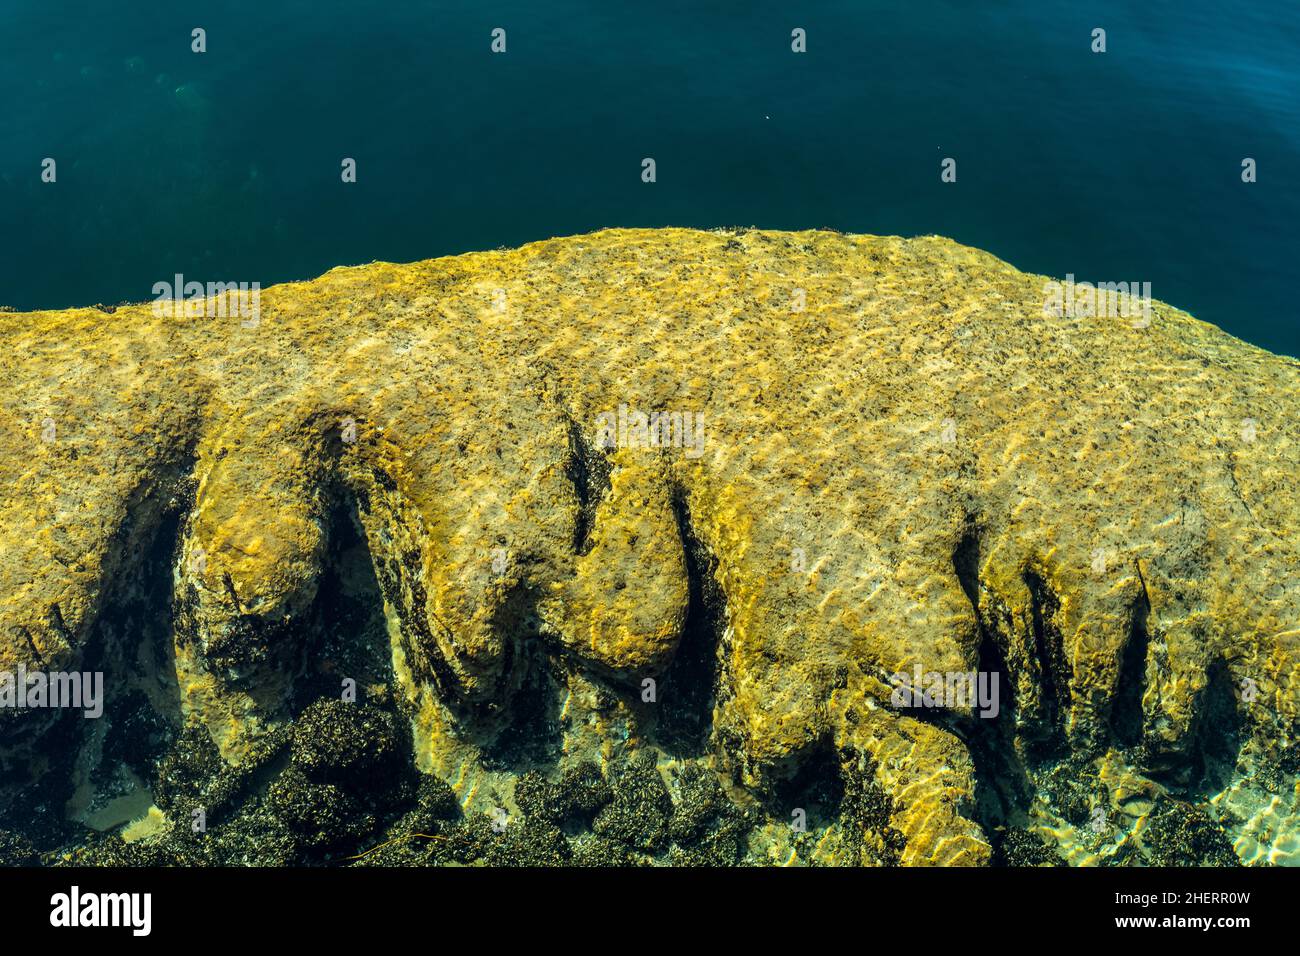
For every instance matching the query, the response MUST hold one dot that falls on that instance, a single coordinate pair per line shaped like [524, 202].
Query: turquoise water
[1123, 166]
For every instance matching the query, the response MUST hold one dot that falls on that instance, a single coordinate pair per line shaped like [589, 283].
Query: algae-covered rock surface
[619, 548]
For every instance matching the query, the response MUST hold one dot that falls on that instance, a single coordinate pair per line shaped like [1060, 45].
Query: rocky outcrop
[868, 456]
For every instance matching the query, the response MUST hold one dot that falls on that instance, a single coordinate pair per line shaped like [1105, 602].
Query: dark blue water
[1123, 166]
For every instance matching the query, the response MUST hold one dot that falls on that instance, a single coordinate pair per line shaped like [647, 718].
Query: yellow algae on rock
[885, 455]
[152, 823]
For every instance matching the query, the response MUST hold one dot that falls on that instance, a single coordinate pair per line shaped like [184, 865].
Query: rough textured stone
[952, 466]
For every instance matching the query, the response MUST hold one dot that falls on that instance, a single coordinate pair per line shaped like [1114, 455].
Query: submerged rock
[881, 456]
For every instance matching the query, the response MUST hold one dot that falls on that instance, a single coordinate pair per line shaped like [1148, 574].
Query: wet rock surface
[396, 574]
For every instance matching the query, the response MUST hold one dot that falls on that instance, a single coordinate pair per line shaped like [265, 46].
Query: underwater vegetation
[623, 548]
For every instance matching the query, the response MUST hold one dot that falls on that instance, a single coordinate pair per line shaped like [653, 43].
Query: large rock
[904, 459]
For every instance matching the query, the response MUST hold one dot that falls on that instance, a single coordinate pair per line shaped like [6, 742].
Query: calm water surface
[225, 166]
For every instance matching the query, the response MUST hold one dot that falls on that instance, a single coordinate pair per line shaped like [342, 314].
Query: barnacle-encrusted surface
[905, 462]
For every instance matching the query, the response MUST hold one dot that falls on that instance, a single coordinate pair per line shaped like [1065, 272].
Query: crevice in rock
[400, 579]
[1054, 671]
[344, 633]
[1130, 687]
[689, 688]
[1002, 787]
[1217, 735]
[588, 468]
[94, 771]
[966, 565]
[530, 733]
